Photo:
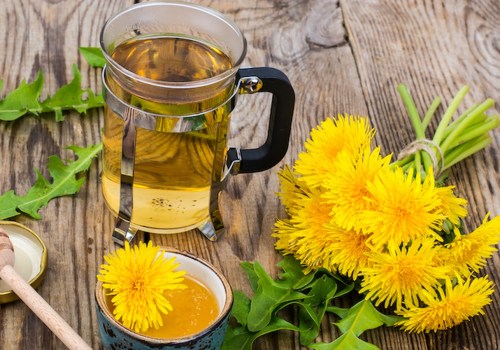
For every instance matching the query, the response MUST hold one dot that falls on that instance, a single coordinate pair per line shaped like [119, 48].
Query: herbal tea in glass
[172, 171]
[171, 81]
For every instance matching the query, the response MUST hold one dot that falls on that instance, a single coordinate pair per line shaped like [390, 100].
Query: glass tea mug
[171, 80]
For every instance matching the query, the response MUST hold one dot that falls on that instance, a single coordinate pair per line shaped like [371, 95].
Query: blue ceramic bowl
[115, 336]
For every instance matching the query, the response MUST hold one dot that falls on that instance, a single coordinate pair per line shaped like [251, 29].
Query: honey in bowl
[211, 312]
[194, 309]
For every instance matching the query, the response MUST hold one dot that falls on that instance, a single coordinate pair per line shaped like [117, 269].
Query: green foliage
[268, 297]
[312, 296]
[26, 99]
[94, 56]
[240, 338]
[361, 317]
[65, 177]
[65, 181]
[22, 100]
[347, 341]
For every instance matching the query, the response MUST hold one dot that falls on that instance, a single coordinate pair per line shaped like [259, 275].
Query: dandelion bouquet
[392, 225]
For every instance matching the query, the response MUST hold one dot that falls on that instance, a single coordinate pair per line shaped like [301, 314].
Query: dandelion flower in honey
[345, 134]
[136, 278]
[454, 305]
[402, 275]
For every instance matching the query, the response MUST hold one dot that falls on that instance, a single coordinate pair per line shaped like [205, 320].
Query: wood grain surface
[342, 56]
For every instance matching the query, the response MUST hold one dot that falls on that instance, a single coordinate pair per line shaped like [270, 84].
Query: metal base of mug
[123, 232]
[212, 228]
[211, 231]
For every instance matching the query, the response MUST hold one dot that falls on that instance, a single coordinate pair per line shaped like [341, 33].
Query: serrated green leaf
[241, 307]
[92, 101]
[252, 276]
[64, 182]
[70, 96]
[26, 99]
[339, 311]
[309, 323]
[94, 56]
[241, 338]
[312, 308]
[8, 205]
[321, 293]
[345, 290]
[293, 274]
[267, 298]
[22, 100]
[361, 317]
[348, 341]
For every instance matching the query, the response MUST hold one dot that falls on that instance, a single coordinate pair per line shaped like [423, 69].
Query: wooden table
[342, 56]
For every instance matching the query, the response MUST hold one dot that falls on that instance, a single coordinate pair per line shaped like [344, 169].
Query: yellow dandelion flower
[453, 208]
[454, 305]
[401, 275]
[403, 208]
[468, 252]
[346, 133]
[291, 186]
[305, 234]
[443, 257]
[286, 242]
[137, 277]
[306, 212]
[346, 188]
[348, 252]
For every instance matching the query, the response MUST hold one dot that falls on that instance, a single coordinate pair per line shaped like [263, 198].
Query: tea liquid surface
[173, 171]
[171, 59]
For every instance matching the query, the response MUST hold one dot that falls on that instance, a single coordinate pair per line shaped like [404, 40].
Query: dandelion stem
[417, 126]
[430, 112]
[448, 114]
[454, 123]
[412, 111]
[403, 162]
[466, 122]
[466, 149]
[407, 167]
[476, 130]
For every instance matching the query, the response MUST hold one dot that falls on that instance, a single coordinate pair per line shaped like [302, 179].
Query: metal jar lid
[31, 258]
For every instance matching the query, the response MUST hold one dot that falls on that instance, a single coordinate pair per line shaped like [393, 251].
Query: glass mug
[171, 80]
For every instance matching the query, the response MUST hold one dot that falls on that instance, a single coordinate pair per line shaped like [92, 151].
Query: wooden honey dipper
[34, 301]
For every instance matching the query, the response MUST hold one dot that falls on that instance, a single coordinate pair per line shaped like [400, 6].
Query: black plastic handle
[280, 121]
